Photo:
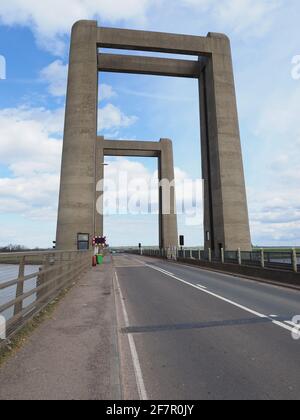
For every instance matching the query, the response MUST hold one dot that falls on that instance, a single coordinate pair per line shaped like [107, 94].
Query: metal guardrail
[30, 281]
[288, 260]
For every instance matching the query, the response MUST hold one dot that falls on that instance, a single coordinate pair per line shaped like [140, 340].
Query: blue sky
[34, 39]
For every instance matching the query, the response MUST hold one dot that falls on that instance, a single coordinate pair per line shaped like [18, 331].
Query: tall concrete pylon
[76, 212]
[226, 221]
[163, 151]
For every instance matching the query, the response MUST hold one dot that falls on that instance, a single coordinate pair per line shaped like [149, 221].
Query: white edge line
[251, 311]
[135, 358]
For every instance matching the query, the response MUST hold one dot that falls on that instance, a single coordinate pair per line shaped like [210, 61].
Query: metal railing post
[239, 256]
[222, 256]
[20, 286]
[294, 261]
[262, 258]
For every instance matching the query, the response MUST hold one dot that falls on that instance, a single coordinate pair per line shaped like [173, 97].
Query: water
[10, 272]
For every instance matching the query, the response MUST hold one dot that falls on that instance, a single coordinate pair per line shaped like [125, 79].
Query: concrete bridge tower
[226, 222]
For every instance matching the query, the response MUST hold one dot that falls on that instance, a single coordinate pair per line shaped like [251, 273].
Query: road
[198, 335]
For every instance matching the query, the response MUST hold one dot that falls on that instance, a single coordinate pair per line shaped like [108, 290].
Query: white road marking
[135, 358]
[166, 272]
[293, 324]
[251, 311]
[202, 287]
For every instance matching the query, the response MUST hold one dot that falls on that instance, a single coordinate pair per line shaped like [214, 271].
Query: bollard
[199, 255]
[262, 258]
[294, 261]
[209, 255]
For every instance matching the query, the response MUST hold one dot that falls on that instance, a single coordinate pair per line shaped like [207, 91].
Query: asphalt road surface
[198, 335]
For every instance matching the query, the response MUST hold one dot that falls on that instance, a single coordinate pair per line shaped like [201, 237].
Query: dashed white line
[251, 311]
[135, 358]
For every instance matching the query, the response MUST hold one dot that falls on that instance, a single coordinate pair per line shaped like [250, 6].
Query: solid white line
[251, 311]
[135, 358]
[202, 287]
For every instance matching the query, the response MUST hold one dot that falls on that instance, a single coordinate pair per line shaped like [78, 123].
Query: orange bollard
[94, 261]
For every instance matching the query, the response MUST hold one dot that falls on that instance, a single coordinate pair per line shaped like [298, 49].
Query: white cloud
[28, 139]
[249, 16]
[106, 92]
[275, 216]
[55, 75]
[31, 144]
[252, 17]
[50, 20]
[32, 152]
[111, 117]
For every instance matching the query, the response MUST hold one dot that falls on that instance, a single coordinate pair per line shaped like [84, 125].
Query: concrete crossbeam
[117, 63]
[131, 148]
[154, 41]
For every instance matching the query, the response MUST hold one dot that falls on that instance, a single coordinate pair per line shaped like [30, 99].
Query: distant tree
[13, 248]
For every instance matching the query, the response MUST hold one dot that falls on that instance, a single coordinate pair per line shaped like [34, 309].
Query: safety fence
[283, 260]
[29, 281]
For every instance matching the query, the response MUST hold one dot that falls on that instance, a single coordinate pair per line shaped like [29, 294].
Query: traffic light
[181, 240]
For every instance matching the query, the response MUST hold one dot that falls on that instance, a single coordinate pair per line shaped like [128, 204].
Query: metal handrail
[57, 269]
[286, 259]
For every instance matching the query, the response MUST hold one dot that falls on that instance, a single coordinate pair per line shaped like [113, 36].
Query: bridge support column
[226, 221]
[76, 213]
[99, 163]
[168, 236]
